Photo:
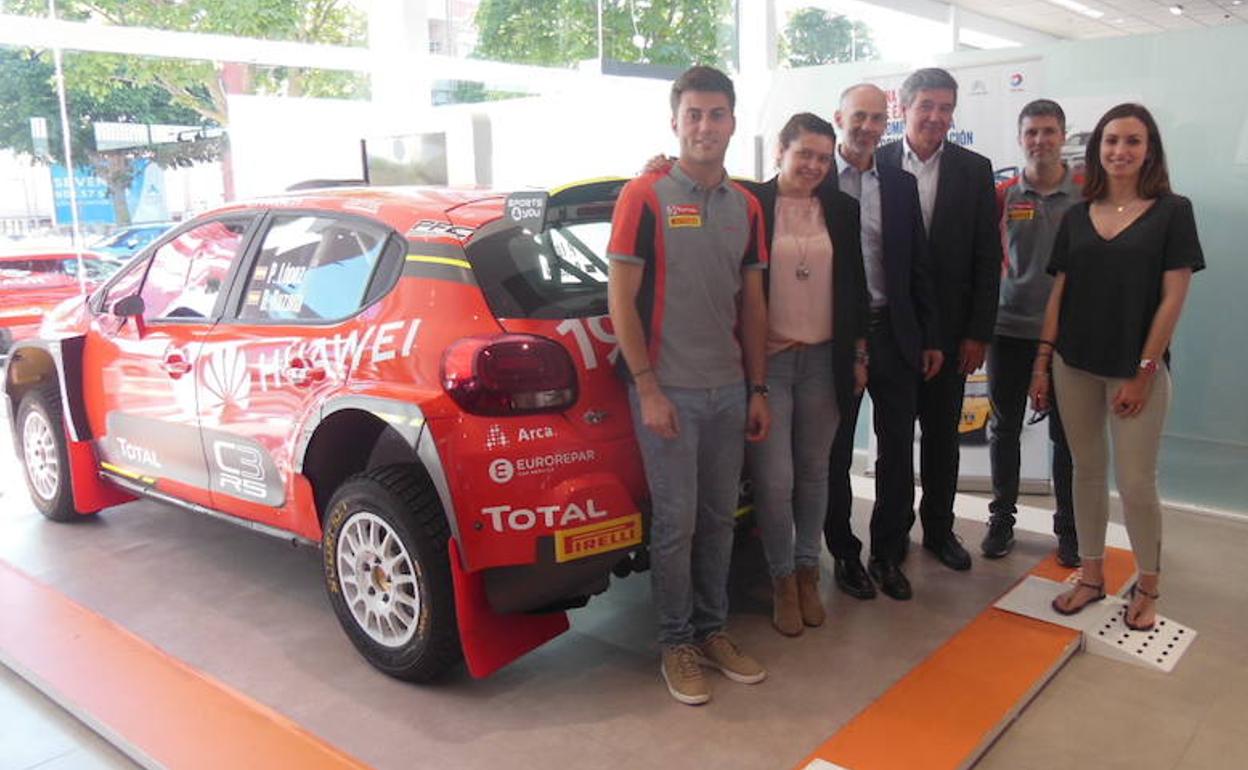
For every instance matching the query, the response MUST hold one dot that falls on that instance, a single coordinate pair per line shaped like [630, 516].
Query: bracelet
[862, 357]
[636, 375]
[1039, 373]
[1047, 342]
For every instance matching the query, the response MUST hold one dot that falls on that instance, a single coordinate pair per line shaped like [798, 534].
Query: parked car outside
[31, 284]
[124, 243]
[420, 381]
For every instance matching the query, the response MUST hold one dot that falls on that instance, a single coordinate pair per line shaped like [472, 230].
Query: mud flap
[91, 493]
[491, 640]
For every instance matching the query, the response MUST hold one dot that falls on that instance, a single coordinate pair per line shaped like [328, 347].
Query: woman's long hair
[1154, 177]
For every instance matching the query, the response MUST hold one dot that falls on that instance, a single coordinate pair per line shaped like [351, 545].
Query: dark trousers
[940, 412]
[893, 386]
[1010, 362]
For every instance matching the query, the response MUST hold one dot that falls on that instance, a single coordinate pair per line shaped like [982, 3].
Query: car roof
[399, 207]
[26, 256]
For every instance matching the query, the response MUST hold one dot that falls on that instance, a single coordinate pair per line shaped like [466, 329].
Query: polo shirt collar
[686, 181]
[909, 151]
[1066, 187]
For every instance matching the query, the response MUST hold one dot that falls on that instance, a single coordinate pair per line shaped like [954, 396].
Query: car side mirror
[129, 307]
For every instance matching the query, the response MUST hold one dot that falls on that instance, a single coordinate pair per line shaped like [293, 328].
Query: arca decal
[504, 518]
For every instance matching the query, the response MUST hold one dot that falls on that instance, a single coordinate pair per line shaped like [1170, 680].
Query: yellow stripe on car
[439, 260]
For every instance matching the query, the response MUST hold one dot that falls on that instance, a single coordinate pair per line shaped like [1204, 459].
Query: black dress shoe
[950, 552]
[891, 579]
[851, 577]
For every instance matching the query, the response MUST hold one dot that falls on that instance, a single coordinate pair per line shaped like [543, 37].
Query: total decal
[595, 531]
[503, 470]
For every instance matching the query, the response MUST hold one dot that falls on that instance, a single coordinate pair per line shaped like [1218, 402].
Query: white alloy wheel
[40, 453]
[378, 580]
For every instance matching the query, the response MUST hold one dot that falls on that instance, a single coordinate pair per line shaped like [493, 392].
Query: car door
[142, 363]
[289, 339]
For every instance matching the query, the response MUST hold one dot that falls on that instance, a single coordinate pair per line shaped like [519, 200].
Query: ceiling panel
[1119, 17]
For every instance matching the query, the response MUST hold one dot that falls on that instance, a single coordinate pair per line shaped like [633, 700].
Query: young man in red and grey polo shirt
[686, 291]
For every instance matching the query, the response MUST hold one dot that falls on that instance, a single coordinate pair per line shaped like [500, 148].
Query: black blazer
[964, 244]
[850, 305]
[907, 270]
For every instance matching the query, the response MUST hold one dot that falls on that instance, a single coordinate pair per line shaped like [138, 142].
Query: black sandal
[1100, 594]
[1126, 615]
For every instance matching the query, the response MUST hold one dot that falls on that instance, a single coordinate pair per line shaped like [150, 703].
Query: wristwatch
[1148, 366]
[760, 390]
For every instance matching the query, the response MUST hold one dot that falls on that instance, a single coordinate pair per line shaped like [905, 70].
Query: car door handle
[175, 364]
[302, 373]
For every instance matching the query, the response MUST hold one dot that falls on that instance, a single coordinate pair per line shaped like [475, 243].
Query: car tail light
[509, 374]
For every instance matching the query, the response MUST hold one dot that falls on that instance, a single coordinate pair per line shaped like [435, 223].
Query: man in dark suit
[902, 340]
[959, 212]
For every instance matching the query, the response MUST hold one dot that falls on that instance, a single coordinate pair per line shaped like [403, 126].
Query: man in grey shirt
[1031, 207]
[687, 252]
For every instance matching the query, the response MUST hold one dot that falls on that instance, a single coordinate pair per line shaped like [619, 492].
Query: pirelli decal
[596, 538]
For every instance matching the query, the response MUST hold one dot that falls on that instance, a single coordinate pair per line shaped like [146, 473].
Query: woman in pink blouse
[817, 360]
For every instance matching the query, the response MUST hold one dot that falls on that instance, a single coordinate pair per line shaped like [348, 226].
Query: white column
[955, 26]
[398, 39]
[756, 44]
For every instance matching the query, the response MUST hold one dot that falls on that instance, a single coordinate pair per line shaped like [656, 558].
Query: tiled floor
[249, 611]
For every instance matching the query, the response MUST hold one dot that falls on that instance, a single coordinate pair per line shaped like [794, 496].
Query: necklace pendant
[803, 273]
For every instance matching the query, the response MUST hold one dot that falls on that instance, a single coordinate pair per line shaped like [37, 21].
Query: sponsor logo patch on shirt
[684, 215]
[1023, 211]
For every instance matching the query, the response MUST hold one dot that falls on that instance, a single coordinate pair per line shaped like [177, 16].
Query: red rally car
[419, 381]
[32, 284]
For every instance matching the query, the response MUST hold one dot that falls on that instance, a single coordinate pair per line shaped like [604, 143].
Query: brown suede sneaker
[683, 675]
[808, 597]
[785, 615]
[719, 651]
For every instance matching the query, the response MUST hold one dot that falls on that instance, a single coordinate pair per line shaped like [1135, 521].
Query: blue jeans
[693, 481]
[789, 470]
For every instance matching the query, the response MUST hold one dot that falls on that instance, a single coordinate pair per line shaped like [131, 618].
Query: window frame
[391, 241]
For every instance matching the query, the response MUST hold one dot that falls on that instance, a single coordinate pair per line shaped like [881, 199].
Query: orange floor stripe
[150, 705]
[946, 711]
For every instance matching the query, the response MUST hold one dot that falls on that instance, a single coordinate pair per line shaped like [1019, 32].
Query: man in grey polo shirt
[1031, 206]
[687, 250]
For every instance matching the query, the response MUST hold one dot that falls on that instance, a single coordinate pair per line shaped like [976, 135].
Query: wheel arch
[35, 363]
[354, 434]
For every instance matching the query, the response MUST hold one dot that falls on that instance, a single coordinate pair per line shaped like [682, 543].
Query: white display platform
[1101, 624]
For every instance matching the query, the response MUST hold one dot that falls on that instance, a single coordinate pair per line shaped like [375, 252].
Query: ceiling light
[1176, 9]
[1077, 7]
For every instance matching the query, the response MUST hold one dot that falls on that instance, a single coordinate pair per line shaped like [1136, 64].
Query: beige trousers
[1085, 401]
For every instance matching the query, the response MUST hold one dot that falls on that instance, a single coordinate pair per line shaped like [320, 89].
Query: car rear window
[560, 272]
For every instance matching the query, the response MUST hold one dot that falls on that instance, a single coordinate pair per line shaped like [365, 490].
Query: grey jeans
[1085, 402]
[693, 482]
[789, 470]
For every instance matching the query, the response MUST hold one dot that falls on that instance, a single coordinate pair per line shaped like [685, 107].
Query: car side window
[312, 269]
[187, 274]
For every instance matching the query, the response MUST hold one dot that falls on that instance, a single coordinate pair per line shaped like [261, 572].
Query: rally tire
[41, 446]
[388, 574]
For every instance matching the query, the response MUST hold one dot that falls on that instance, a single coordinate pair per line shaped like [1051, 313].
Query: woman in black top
[1123, 261]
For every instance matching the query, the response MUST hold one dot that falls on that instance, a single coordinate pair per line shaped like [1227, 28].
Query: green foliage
[813, 36]
[561, 33]
[197, 85]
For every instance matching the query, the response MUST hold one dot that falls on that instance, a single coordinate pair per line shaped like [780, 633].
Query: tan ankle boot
[808, 596]
[786, 615]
